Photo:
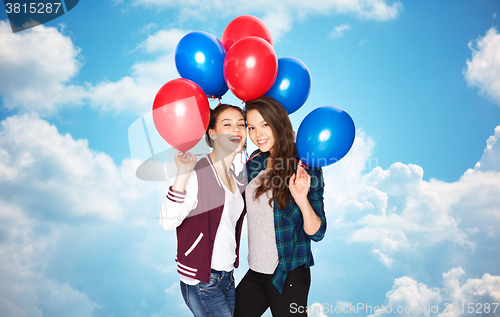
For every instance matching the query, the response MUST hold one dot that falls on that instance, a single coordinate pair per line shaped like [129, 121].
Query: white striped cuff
[175, 195]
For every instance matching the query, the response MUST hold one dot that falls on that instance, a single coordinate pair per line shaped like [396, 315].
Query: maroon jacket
[196, 233]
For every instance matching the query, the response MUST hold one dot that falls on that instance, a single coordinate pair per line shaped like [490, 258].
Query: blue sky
[413, 210]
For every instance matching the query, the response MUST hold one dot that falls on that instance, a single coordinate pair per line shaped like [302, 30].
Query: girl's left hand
[299, 183]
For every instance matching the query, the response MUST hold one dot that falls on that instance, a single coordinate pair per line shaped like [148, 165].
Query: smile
[235, 139]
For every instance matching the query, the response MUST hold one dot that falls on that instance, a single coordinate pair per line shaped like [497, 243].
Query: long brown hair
[282, 162]
[214, 115]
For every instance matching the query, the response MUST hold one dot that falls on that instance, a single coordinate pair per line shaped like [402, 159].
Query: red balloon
[244, 26]
[181, 113]
[250, 68]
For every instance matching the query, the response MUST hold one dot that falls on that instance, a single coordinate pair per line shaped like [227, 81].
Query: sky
[413, 209]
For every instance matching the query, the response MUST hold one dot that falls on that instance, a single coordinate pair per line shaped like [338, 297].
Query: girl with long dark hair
[285, 213]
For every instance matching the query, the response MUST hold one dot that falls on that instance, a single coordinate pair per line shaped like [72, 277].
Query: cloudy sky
[413, 210]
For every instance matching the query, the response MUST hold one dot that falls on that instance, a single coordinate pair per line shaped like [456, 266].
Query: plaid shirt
[294, 244]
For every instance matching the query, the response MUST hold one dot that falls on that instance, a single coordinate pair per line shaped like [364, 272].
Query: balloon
[244, 26]
[292, 85]
[250, 68]
[220, 92]
[199, 56]
[181, 113]
[325, 136]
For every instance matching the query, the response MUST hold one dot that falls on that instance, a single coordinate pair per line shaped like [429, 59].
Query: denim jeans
[213, 299]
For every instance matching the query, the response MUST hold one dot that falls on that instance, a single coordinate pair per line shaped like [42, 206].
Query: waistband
[222, 273]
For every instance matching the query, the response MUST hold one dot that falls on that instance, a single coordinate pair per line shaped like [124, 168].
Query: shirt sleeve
[315, 197]
[177, 205]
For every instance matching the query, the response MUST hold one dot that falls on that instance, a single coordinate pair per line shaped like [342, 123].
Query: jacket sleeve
[315, 197]
[177, 205]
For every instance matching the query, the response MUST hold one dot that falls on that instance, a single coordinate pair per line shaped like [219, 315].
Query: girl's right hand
[185, 161]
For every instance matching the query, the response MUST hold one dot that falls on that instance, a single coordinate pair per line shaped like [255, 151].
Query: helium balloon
[244, 26]
[292, 85]
[181, 113]
[199, 57]
[250, 68]
[325, 136]
[220, 92]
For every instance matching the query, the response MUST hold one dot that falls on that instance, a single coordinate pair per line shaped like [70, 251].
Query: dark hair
[214, 115]
[282, 162]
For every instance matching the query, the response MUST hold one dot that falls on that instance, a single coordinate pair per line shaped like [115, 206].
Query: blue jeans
[213, 299]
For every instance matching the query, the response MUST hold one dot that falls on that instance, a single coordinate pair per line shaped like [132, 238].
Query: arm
[315, 198]
[185, 161]
[180, 200]
[312, 222]
[307, 190]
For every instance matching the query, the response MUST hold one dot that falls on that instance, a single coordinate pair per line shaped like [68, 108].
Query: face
[259, 131]
[230, 131]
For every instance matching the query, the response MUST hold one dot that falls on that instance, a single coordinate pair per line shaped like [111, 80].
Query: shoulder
[202, 163]
[256, 159]
[255, 164]
[204, 171]
[256, 155]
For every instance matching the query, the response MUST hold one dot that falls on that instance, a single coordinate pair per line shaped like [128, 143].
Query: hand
[185, 161]
[299, 183]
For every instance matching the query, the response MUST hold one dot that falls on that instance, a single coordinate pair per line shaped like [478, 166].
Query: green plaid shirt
[294, 244]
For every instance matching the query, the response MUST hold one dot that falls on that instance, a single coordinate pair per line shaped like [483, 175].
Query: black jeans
[256, 292]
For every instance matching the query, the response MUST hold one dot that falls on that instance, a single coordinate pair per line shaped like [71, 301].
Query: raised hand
[299, 183]
[185, 161]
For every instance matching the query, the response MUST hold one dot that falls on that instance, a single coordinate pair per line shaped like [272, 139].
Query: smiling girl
[206, 205]
[285, 213]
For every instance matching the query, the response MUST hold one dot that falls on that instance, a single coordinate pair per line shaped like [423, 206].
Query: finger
[305, 174]
[291, 182]
[299, 167]
[302, 164]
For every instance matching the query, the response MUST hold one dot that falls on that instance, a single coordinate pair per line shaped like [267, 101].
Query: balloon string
[198, 154]
[303, 164]
[254, 156]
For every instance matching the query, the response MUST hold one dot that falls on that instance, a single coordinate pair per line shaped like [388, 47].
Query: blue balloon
[292, 85]
[220, 92]
[325, 136]
[199, 57]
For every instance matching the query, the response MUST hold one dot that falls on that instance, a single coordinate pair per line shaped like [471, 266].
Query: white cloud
[36, 67]
[25, 289]
[386, 260]
[163, 41]
[279, 23]
[58, 175]
[490, 161]
[411, 298]
[395, 211]
[136, 93]
[72, 224]
[316, 310]
[280, 14]
[483, 70]
[339, 30]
